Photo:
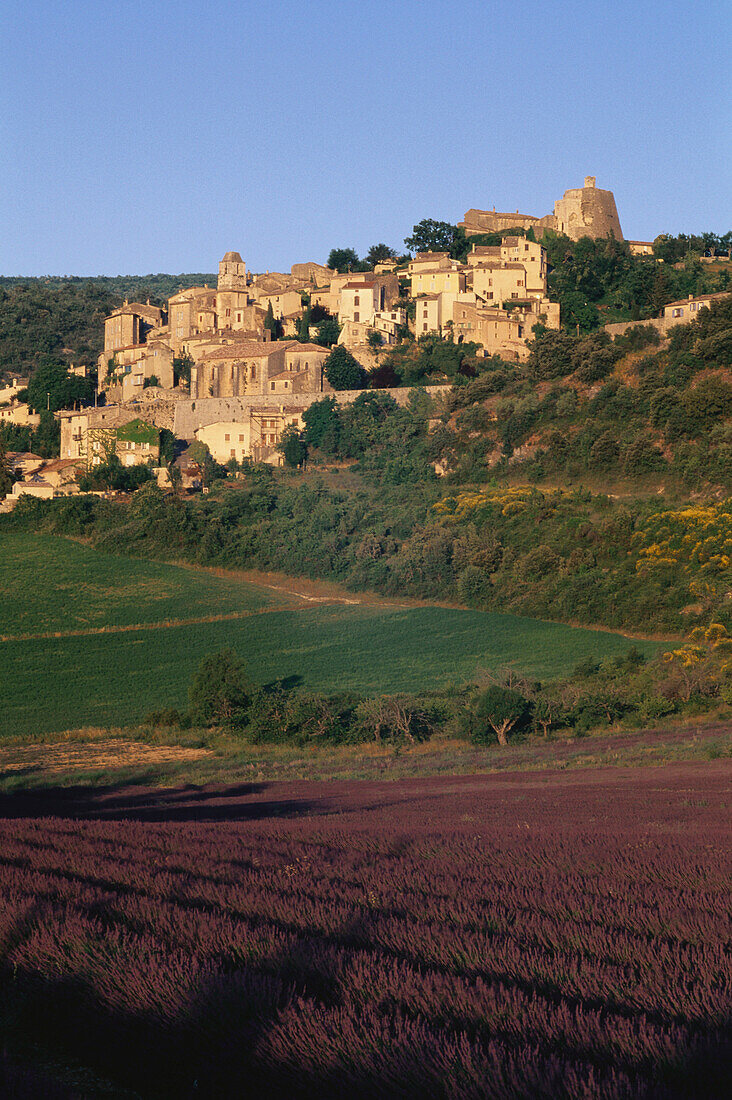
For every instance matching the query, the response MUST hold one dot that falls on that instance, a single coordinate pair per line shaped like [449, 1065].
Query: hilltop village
[232, 367]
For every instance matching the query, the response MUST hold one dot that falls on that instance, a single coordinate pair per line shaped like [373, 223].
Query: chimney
[590, 181]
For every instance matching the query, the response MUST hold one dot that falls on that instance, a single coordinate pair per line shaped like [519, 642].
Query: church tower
[232, 272]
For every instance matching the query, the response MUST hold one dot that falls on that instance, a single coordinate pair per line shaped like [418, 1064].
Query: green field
[53, 584]
[117, 678]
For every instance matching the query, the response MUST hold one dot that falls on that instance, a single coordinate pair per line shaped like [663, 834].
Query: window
[356, 316]
[678, 313]
[233, 453]
[227, 437]
[357, 301]
[424, 326]
[272, 385]
[241, 438]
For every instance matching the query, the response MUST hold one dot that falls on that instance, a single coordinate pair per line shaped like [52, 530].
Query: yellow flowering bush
[507, 501]
[697, 540]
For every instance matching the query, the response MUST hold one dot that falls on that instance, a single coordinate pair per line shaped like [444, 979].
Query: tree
[343, 260]
[434, 236]
[343, 371]
[293, 447]
[379, 253]
[176, 479]
[303, 328]
[6, 473]
[168, 444]
[394, 718]
[271, 323]
[182, 370]
[328, 332]
[322, 424]
[221, 690]
[375, 339]
[500, 709]
[113, 475]
[52, 387]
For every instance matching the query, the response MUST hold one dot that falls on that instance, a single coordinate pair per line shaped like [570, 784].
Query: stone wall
[661, 324]
[193, 414]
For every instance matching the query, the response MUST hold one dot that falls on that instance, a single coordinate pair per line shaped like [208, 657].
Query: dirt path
[82, 633]
[305, 588]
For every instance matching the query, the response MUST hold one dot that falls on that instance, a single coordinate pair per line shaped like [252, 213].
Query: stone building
[258, 367]
[255, 434]
[584, 211]
[90, 436]
[682, 312]
[501, 295]
[498, 331]
[130, 325]
[588, 212]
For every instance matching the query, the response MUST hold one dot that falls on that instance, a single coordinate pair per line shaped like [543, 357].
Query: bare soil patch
[106, 753]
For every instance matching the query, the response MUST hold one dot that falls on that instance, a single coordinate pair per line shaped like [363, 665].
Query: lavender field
[501, 936]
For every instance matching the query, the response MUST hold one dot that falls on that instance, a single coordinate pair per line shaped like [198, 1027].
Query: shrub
[474, 586]
[221, 690]
[167, 718]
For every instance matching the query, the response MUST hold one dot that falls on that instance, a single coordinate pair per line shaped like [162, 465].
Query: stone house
[91, 435]
[52, 478]
[498, 331]
[255, 435]
[150, 364]
[18, 412]
[130, 325]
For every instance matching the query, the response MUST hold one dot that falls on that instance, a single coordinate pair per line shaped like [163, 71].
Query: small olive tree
[500, 710]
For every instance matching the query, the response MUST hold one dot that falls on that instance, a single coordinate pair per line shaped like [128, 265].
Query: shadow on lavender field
[523, 935]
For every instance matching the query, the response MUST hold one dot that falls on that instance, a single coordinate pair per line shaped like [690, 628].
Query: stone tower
[588, 212]
[232, 272]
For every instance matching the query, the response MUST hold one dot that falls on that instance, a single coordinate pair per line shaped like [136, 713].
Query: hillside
[64, 316]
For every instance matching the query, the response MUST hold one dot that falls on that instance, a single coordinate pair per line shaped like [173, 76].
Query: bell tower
[232, 272]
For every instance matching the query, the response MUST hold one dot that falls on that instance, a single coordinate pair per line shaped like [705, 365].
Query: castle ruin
[586, 211]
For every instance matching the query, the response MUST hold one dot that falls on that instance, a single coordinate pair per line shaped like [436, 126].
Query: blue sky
[141, 137]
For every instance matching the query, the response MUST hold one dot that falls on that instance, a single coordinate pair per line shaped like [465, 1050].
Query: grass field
[116, 678]
[60, 585]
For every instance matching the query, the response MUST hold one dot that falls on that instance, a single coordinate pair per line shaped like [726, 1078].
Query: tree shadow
[239, 802]
[239, 1030]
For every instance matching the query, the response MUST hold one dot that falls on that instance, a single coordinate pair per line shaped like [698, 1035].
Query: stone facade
[256, 434]
[191, 415]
